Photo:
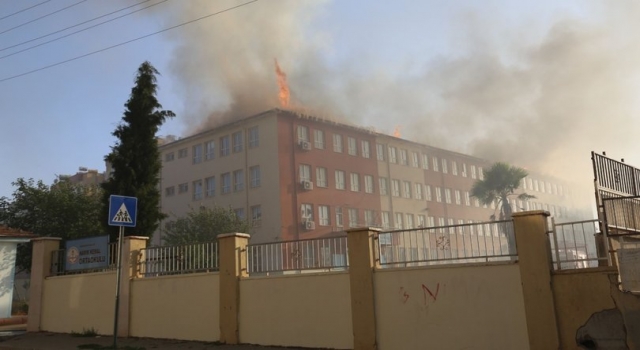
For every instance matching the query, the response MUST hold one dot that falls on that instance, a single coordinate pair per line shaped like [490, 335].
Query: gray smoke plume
[542, 103]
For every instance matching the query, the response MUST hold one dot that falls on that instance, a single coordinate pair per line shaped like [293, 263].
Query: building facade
[297, 177]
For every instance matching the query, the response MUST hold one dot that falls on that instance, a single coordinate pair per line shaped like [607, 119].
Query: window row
[256, 215]
[226, 144]
[529, 184]
[353, 147]
[228, 182]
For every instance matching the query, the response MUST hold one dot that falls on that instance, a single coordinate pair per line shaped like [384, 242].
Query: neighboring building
[296, 177]
[84, 176]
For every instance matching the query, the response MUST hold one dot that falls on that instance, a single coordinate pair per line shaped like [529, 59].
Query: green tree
[203, 225]
[62, 210]
[499, 184]
[135, 157]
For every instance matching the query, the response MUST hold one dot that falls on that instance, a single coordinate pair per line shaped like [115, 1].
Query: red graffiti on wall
[404, 295]
[428, 292]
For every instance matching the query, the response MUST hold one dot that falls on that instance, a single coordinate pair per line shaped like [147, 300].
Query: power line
[28, 8]
[41, 17]
[126, 42]
[75, 25]
[77, 31]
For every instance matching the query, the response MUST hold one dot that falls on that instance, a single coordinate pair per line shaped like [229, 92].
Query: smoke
[539, 102]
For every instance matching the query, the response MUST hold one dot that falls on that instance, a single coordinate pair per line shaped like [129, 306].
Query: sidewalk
[58, 341]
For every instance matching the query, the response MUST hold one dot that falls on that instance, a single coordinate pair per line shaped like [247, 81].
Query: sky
[538, 84]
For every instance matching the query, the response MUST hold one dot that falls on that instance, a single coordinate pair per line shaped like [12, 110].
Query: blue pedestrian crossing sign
[122, 211]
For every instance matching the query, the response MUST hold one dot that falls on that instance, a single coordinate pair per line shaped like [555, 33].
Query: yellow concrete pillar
[534, 255]
[362, 262]
[233, 265]
[40, 269]
[131, 246]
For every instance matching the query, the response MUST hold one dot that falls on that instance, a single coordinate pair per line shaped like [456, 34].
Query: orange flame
[283, 94]
[396, 132]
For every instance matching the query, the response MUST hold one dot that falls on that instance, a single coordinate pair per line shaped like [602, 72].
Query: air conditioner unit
[309, 225]
[307, 185]
[305, 145]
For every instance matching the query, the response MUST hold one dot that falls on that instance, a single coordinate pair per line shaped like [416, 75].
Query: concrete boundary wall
[512, 305]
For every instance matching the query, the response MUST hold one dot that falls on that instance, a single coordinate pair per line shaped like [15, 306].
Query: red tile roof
[14, 233]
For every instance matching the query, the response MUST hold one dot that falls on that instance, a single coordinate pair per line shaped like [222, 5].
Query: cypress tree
[135, 158]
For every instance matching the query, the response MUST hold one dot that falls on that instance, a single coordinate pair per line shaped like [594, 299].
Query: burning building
[296, 176]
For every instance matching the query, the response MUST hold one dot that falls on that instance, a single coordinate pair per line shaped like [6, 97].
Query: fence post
[361, 243]
[128, 270]
[40, 269]
[233, 265]
[534, 256]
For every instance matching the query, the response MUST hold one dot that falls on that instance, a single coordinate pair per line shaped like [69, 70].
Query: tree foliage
[500, 183]
[135, 157]
[203, 225]
[62, 210]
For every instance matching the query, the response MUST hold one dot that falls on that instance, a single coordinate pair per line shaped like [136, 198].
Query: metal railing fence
[463, 243]
[58, 262]
[573, 245]
[323, 254]
[182, 259]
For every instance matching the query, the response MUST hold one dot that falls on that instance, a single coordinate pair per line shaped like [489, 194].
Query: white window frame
[255, 176]
[318, 139]
[321, 177]
[337, 143]
[352, 148]
[340, 180]
[366, 149]
[354, 182]
[368, 184]
[323, 215]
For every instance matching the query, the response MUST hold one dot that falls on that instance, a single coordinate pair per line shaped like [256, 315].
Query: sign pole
[118, 277]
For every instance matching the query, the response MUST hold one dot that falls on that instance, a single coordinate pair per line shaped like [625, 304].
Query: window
[226, 183]
[464, 170]
[355, 182]
[385, 220]
[239, 213]
[403, 157]
[435, 164]
[445, 169]
[238, 143]
[168, 157]
[365, 149]
[431, 221]
[256, 215]
[438, 195]
[425, 162]
[340, 180]
[418, 191]
[383, 186]
[399, 221]
[454, 167]
[467, 199]
[392, 155]
[351, 146]
[409, 221]
[353, 217]
[238, 180]
[524, 183]
[305, 172]
[458, 199]
[169, 191]
[306, 211]
[337, 143]
[254, 176]
[368, 218]
[321, 177]
[303, 133]
[182, 153]
[473, 172]
[415, 159]
[476, 202]
[197, 154]
[210, 149]
[530, 184]
[323, 215]
[441, 223]
[339, 222]
[380, 152]
[254, 137]
[427, 193]
[549, 187]
[480, 173]
[406, 186]
[422, 221]
[197, 190]
[395, 188]
[318, 139]
[225, 146]
[447, 195]
[211, 186]
[535, 185]
[368, 184]
[184, 187]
